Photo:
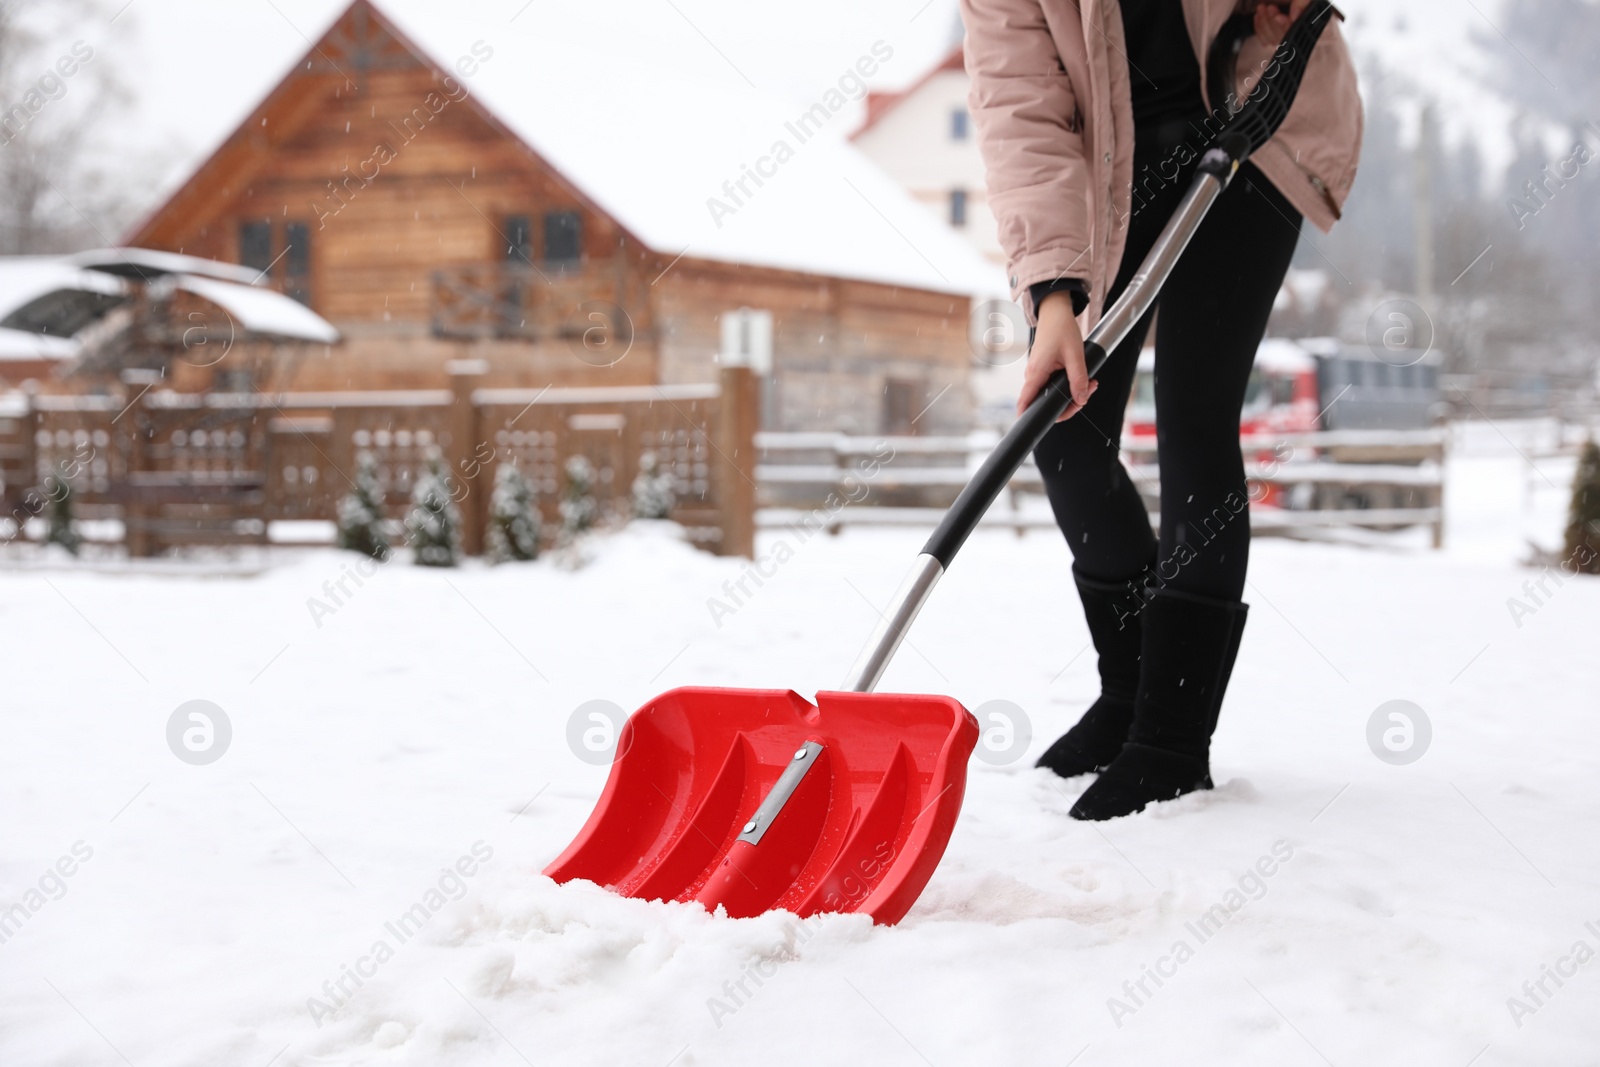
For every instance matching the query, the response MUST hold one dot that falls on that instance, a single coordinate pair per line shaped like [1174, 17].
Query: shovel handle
[1214, 173]
[1247, 130]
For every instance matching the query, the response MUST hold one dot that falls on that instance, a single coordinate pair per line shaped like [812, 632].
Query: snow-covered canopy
[53, 297]
[49, 295]
[20, 345]
[148, 263]
[262, 311]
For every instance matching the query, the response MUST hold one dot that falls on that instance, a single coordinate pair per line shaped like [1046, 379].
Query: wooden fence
[210, 468]
[1371, 479]
[179, 469]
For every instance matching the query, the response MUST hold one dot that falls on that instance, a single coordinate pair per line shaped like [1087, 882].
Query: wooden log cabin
[439, 193]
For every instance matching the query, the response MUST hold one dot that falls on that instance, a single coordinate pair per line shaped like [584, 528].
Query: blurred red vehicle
[1283, 395]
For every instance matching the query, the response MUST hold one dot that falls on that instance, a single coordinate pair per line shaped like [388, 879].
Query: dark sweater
[1161, 64]
[1165, 78]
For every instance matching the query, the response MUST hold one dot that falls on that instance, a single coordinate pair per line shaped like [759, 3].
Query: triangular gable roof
[881, 104]
[657, 150]
[292, 102]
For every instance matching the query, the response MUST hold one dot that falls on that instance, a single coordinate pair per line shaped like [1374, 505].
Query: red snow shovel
[753, 799]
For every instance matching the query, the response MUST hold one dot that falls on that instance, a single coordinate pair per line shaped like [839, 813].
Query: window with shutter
[563, 237]
[255, 245]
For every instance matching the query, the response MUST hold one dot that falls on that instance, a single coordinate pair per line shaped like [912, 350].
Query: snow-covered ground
[411, 750]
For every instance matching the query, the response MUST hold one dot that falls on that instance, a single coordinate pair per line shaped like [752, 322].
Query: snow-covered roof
[1283, 356]
[1320, 346]
[1360, 352]
[1277, 354]
[652, 139]
[1333, 348]
[653, 146]
[148, 263]
[880, 104]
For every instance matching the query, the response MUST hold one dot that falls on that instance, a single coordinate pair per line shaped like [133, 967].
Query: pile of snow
[356, 880]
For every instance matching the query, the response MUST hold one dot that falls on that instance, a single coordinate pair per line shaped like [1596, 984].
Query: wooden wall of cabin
[857, 357]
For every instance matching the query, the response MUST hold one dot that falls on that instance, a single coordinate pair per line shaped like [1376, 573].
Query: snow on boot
[1190, 644]
[1112, 611]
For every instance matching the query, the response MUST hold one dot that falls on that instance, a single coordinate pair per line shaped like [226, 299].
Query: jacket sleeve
[1025, 112]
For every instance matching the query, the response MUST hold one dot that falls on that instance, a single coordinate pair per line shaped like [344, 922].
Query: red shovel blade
[874, 786]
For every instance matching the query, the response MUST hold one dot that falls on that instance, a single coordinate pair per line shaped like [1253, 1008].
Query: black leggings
[1214, 312]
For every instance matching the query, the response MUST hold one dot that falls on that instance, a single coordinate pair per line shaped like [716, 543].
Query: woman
[1090, 117]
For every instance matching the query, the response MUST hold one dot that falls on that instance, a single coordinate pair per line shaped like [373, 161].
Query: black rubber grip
[1271, 97]
[1023, 437]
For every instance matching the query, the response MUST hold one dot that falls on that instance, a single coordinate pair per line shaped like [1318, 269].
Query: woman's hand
[1273, 19]
[1057, 344]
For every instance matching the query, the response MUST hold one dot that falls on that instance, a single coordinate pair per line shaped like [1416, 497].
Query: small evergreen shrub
[513, 520]
[361, 512]
[652, 489]
[1583, 517]
[579, 509]
[60, 529]
[434, 523]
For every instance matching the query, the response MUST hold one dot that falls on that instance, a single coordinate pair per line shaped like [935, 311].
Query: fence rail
[219, 468]
[1372, 479]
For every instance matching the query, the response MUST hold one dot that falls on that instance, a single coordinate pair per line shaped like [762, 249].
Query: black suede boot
[1112, 610]
[1189, 647]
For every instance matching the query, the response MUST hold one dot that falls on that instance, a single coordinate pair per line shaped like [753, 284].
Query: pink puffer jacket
[1052, 105]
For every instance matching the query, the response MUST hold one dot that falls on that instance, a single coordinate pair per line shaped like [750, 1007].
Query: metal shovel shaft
[1213, 175]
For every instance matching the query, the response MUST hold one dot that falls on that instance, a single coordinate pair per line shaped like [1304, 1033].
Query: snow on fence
[212, 468]
[1300, 482]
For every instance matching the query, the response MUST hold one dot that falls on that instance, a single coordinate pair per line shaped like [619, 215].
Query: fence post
[28, 436]
[18, 496]
[468, 451]
[138, 515]
[738, 408]
[1442, 459]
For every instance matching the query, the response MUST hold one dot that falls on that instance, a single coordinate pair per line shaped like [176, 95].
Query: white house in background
[922, 137]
